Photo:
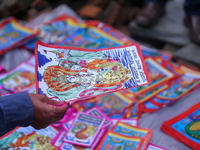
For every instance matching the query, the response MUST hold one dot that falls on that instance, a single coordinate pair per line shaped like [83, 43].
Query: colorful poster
[133, 122]
[97, 112]
[58, 142]
[110, 104]
[149, 52]
[20, 79]
[182, 85]
[114, 140]
[25, 138]
[159, 76]
[185, 127]
[90, 38]
[13, 34]
[126, 129]
[87, 73]
[54, 31]
[84, 130]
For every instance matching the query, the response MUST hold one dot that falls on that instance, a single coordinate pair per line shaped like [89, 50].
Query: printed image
[133, 131]
[112, 103]
[91, 38]
[158, 75]
[109, 104]
[116, 141]
[84, 130]
[180, 86]
[189, 126]
[19, 79]
[62, 72]
[53, 32]
[12, 34]
[25, 138]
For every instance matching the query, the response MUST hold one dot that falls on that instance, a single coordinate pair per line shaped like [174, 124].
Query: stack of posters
[13, 34]
[187, 81]
[185, 127]
[20, 79]
[27, 138]
[89, 130]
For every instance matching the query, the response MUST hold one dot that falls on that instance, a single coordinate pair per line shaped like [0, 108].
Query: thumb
[50, 101]
[60, 110]
[58, 107]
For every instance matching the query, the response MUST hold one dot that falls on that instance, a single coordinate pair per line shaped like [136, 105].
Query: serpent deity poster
[71, 73]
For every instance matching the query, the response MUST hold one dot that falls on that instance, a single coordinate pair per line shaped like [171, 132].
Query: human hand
[46, 110]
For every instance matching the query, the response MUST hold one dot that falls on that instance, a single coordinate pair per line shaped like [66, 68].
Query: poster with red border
[185, 127]
[159, 76]
[14, 34]
[71, 73]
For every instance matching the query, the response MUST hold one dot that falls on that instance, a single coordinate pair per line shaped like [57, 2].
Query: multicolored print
[12, 34]
[19, 79]
[90, 38]
[115, 141]
[28, 138]
[158, 74]
[86, 72]
[54, 31]
[189, 126]
[182, 85]
[126, 129]
[9, 36]
[83, 131]
[110, 104]
[192, 129]
[185, 127]
[105, 75]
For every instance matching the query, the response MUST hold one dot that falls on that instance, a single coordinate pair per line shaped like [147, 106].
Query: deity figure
[96, 73]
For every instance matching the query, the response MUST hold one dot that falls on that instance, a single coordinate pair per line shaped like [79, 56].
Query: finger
[60, 110]
[49, 101]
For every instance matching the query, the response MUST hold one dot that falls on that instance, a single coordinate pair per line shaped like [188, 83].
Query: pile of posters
[115, 105]
[185, 80]
[13, 34]
[102, 74]
[94, 130]
[20, 79]
[27, 138]
[185, 127]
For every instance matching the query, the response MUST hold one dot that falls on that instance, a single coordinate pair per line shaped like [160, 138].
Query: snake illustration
[83, 131]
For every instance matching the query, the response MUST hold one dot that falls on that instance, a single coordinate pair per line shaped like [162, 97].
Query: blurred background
[170, 34]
